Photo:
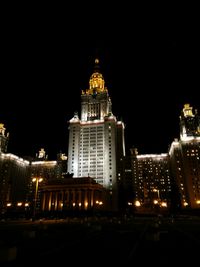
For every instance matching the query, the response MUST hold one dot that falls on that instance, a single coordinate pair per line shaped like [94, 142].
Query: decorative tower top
[41, 155]
[95, 101]
[2, 129]
[3, 138]
[96, 82]
[187, 111]
[189, 123]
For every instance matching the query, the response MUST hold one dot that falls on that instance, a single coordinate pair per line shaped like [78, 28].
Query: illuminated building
[14, 172]
[96, 159]
[96, 139]
[14, 178]
[185, 158]
[70, 195]
[16, 187]
[46, 170]
[152, 179]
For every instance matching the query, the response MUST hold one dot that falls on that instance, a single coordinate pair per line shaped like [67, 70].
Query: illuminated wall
[185, 160]
[14, 181]
[152, 179]
[16, 186]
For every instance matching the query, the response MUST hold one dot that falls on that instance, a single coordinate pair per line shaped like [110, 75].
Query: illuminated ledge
[73, 120]
[16, 158]
[92, 122]
[162, 155]
[44, 162]
[189, 138]
[174, 144]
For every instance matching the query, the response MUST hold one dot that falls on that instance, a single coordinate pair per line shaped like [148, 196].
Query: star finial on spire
[96, 67]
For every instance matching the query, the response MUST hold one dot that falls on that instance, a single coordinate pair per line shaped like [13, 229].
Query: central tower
[95, 101]
[96, 140]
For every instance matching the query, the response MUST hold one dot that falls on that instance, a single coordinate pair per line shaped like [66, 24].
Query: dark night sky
[150, 64]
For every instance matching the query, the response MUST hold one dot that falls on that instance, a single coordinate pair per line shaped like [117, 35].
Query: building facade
[152, 180]
[96, 139]
[73, 196]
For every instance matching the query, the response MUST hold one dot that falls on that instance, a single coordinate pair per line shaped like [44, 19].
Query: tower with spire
[96, 139]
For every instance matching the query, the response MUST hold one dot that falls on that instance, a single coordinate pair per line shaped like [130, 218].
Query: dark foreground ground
[101, 241]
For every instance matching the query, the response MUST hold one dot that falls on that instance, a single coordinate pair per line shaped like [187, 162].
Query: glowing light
[164, 204]
[19, 204]
[63, 157]
[155, 201]
[9, 204]
[137, 203]
[99, 202]
[158, 192]
[198, 201]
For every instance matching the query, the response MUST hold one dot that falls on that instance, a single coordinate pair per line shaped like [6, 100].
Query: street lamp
[37, 180]
[158, 192]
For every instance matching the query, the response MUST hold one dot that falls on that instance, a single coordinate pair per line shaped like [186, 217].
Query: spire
[96, 65]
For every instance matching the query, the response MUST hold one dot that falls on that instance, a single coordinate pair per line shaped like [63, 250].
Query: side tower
[96, 139]
[185, 158]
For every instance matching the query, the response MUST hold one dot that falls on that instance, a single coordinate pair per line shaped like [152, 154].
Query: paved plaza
[161, 241]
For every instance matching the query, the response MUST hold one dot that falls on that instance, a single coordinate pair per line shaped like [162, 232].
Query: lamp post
[158, 192]
[37, 180]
